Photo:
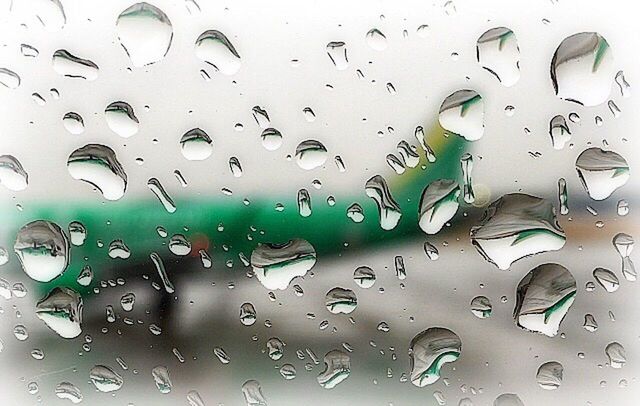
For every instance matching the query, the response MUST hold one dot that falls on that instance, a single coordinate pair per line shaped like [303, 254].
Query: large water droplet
[582, 69]
[607, 279]
[337, 52]
[252, 392]
[145, 32]
[69, 65]
[158, 190]
[43, 250]
[508, 399]
[179, 245]
[275, 265]
[196, 145]
[549, 375]
[515, 226]
[214, 48]
[438, 205]
[9, 78]
[601, 172]
[429, 351]
[311, 154]
[497, 51]
[121, 119]
[73, 123]
[364, 277]
[340, 300]
[559, 132]
[98, 165]
[12, 174]
[337, 367]
[543, 298]
[275, 348]
[61, 311]
[247, 314]
[481, 307]
[388, 210]
[462, 113]
[271, 139]
[616, 354]
[376, 40]
[161, 378]
[67, 390]
[105, 379]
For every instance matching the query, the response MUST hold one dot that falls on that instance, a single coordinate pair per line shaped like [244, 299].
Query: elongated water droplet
[98, 165]
[395, 164]
[481, 307]
[625, 89]
[401, 270]
[337, 52]
[9, 78]
[221, 354]
[12, 174]
[105, 379]
[364, 277]
[515, 226]
[466, 162]
[311, 154]
[121, 119]
[462, 113]
[235, 167]
[559, 132]
[601, 172]
[616, 354]
[69, 65]
[252, 392]
[340, 300]
[247, 314]
[73, 123]
[261, 116]
[388, 210]
[196, 145]
[438, 205]
[543, 298]
[337, 367]
[582, 69]
[161, 378]
[156, 187]
[304, 203]
[607, 279]
[67, 390]
[61, 311]
[549, 375]
[563, 197]
[429, 351]
[614, 109]
[49, 13]
[276, 265]
[43, 250]
[85, 276]
[376, 40]
[145, 32]
[498, 52]
[214, 48]
[409, 157]
[157, 262]
[193, 397]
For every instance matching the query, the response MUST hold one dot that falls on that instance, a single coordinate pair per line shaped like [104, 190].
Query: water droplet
[559, 132]
[355, 213]
[214, 48]
[616, 354]
[466, 162]
[309, 115]
[73, 123]
[247, 314]
[261, 116]
[9, 78]
[85, 276]
[549, 375]
[625, 89]
[590, 324]
[271, 139]
[275, 348]
[429, 351]
[376, 40]
[196, 145]
[337, 52]
[66, 390]
[157, 262]
[340, 300]
[12, 174]
[364, 277]
[276, 265]
[563, 197]
[601, 172]
[69, 65]
[127, 301]
[118, 249]
[607, 279]
[145, 32]
[481, 307]
[462, 113]
[98, 165]
[311, 154]
[304, 203]
[337, 367]
[61, 311]
[161, 378]
[252, 392]
[105, 379]
[582, 68]
[121, 119]
[235, 167]
[179, 245]
[43, 250]
[156, 187]
[614, 109]
[221, 354]
[409, 157]
[388, 210]
[288, 371]
[438, 205]
[193, 397]
[543, 298]
[395, 164]
[498, 52]
[508, 399]
[515, 226]
[623, 208]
